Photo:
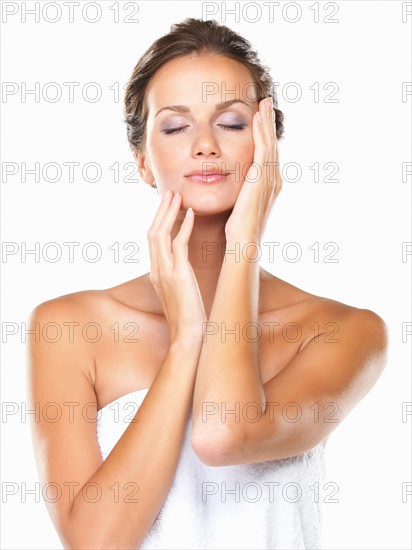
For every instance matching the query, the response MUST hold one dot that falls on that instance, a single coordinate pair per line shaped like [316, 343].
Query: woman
[214, 384]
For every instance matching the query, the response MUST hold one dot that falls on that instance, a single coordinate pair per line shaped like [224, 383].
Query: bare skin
[123, 367]
[149, 336]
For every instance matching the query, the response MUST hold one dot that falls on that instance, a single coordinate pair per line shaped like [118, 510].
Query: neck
[206, 251]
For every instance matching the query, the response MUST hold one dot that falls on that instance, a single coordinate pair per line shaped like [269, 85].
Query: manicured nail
[269, 104]
[176, 198]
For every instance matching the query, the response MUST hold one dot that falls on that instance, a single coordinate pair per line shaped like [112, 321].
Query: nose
[205, 145]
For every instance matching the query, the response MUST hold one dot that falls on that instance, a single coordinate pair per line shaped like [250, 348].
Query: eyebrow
[219, 106]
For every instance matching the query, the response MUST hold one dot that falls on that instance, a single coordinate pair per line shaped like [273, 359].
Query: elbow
[72, 539]
[85, 536]
[94, 542]
[213, 451]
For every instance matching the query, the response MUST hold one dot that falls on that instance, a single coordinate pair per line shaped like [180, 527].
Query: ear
[144, 168]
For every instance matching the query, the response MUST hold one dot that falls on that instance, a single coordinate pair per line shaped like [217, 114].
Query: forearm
[228, 373]
[145, 457]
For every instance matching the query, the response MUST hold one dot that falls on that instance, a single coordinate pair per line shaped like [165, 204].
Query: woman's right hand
[171, 273]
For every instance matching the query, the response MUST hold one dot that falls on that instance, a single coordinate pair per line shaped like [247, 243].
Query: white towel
[268, 505]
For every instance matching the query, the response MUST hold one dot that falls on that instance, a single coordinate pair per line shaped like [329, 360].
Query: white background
[367, 212]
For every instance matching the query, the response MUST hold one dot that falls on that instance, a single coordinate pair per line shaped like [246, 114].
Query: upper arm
[60, 389]
[308, 399]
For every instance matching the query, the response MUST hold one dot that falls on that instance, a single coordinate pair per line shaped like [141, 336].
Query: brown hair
[191, 36]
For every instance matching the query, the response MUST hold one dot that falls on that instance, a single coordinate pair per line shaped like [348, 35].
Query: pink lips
[207, 179]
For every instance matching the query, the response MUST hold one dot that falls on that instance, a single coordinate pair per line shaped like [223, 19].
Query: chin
[206, 204]
[214, 192]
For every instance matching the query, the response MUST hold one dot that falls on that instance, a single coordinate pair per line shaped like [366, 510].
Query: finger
[272, 147]
[262, 150]
[268, 114]
[172, 211]
[160, 214]
[163, 238]
[268, 126]
[265, 127]
[268, 156]
[161, 210]
[154, 261]
[269, 129]
[271, 119]
[181, 241]
[277, 183]
[259, 143]
[267, 118]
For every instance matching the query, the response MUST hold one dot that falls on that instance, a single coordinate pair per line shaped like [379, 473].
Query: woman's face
[187, 93]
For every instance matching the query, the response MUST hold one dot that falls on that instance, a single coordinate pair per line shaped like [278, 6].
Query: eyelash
[183, 128]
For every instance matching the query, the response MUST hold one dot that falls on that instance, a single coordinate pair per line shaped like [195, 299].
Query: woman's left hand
[262, 183]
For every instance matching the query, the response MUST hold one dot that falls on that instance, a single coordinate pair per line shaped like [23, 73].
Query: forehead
[210, 78]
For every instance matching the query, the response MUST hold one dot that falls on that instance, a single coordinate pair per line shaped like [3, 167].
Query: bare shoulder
[326, 314]
[362, 328]
[75, 302]
[77, 318]
[91, 304]
[64, 326]
[353, 318]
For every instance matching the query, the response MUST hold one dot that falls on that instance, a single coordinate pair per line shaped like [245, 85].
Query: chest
[132, 348]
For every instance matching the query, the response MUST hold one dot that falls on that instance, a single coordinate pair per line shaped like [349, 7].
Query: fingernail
[176, 198]
[269, 103]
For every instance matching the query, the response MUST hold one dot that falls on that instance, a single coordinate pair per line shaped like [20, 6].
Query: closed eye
[223, 126]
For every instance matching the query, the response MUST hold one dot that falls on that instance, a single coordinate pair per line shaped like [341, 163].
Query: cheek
[164, 158]
[247, 158]
[244, 152]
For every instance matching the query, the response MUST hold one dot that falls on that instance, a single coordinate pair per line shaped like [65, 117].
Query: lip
[207, 179]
